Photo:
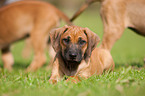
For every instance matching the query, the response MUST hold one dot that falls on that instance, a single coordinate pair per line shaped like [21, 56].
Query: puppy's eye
[65, 41]
[82, 42]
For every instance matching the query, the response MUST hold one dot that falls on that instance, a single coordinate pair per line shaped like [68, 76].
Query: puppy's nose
[73, 55]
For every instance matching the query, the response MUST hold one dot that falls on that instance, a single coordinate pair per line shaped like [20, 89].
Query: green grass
[128, 78]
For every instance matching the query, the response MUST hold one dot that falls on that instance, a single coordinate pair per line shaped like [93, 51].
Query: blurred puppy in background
[118, 15]
[27, 50]
[24, 19]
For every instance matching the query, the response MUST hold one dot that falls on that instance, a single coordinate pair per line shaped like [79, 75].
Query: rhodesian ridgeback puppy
[77, 54]
[32, 19]
[118, 15]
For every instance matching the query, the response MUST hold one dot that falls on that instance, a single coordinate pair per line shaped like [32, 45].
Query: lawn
[128, 78]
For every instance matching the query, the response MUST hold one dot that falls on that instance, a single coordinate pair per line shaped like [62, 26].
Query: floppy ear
[55, 37]
[93, 40]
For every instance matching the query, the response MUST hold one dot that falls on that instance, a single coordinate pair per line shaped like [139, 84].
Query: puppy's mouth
[73, 60]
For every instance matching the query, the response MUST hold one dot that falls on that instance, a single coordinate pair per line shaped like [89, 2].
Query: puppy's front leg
[56, 74]
[73, 79]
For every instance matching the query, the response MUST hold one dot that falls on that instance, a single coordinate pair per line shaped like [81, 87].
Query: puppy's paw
[53, 81]
[73, 79]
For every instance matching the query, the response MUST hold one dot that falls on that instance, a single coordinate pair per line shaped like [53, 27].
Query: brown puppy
[118, 15]
[28, 18]
[76, 53]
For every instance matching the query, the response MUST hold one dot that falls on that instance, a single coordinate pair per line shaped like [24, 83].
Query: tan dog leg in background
[7, 58]
[113, 24]
[39, 47]
[27, 50]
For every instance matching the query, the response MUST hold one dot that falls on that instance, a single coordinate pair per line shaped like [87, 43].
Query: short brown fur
[118, 15]
[94, 61]
[28, 18]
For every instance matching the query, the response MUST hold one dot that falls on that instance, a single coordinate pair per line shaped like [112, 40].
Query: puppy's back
[101, 60]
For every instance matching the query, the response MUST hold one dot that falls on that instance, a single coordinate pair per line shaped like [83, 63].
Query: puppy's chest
[70, 70]
[82, 69]
[70, 73]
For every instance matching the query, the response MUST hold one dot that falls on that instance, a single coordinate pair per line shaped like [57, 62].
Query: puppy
[77, 54]
[33, 19]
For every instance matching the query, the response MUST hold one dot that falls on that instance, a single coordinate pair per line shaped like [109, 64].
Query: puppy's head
[75, 43]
